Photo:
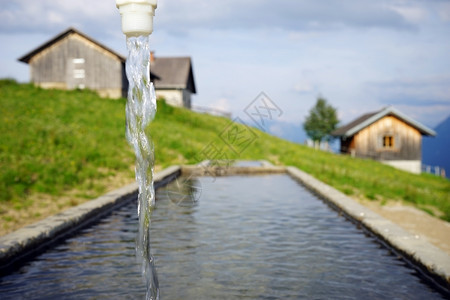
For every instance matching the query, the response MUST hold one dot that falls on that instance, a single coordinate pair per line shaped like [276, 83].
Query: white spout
[137, 16]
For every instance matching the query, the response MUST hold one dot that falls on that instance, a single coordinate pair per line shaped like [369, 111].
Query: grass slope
[55, 141]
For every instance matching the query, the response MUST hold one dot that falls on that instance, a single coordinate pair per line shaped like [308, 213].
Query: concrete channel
[21, 245]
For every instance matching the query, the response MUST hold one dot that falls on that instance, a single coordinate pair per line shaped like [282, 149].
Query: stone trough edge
[422, 253]
[32, 238]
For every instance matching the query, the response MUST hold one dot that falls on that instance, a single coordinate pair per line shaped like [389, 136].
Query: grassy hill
[59, 148]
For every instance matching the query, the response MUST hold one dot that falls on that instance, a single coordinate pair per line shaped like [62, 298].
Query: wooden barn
[73, 60]
[386, 135]
[173, 78]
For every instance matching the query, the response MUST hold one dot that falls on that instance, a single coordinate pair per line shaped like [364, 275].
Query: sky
[360, 55]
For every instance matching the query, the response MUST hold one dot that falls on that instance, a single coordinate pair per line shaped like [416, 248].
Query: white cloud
[302, 35]
[222, 104]
[411, 13]
[24, 16]
[418, 91]
[304, 87]
[430, 116]
[286, 14]
[187, 15]
[444, 12]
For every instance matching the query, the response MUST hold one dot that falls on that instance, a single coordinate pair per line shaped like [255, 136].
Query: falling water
[140, 110]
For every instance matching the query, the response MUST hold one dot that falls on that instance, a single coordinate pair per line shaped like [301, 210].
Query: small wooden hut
[386, 135]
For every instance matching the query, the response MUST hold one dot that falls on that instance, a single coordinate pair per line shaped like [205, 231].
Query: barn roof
[365, 120]
[27, 57]
[173, 73]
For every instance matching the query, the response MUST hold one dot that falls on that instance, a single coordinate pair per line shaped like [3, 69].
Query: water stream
[140, 111]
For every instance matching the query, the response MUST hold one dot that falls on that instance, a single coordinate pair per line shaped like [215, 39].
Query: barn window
[79, 72]
[388, 141]
[78, 60]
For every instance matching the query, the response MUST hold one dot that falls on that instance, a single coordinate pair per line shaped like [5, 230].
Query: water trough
[22, 245]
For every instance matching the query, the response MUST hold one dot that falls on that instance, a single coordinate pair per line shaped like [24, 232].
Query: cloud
[304, 87]
[413, 100]
[182, 16]
[429, 91]
[410, 13]
[44, 16]
[428, 115]
[284, 14]
[444, 12]
[293, 50]
[222, 104]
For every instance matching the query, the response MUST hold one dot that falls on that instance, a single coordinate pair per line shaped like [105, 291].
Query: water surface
[259, 237]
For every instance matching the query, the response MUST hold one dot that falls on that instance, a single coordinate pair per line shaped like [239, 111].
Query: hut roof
[365, 120]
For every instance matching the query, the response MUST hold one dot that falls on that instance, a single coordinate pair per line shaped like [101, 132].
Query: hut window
[78, 60]
[388, 141]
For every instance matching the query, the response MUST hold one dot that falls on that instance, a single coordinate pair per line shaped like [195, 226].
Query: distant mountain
[436, 150]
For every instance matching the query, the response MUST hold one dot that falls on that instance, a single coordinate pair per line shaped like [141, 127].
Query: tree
[321, 121]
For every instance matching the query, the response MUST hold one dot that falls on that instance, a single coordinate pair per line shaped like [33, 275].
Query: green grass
[56, 140]
[53, 140]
